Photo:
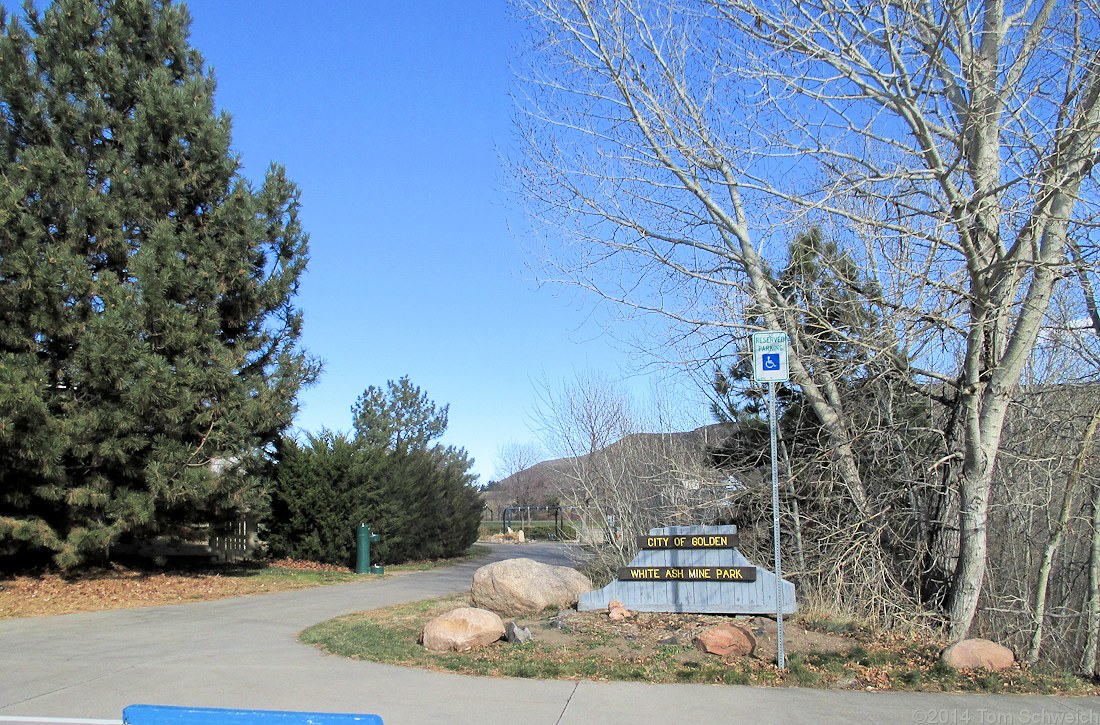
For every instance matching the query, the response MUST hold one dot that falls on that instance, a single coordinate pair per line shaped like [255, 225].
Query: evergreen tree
[421, 501]
[398, 418]
[419, 498]
[834, 303]
[324, 488]
[147, 330]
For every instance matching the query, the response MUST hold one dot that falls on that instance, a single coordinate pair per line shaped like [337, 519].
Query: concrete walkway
[243, 653]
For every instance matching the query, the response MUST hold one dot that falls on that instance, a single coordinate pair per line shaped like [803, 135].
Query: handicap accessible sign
[769, 357]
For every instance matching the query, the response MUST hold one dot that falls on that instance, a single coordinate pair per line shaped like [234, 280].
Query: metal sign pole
[770, 365]
[780, 660]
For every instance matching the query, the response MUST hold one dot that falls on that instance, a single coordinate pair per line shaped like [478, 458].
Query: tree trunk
[973, 551]
[1088, 663]
[833, 421]
[1068, 498]
[799, 550]
[995, 358]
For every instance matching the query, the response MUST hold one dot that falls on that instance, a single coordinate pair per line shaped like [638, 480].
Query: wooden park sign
[692, 569]
[688, 573]
[698, 541]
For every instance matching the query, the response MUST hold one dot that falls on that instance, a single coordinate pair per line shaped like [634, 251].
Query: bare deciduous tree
[624, 468]
[521, 485]
[673, 145]
[513, 457]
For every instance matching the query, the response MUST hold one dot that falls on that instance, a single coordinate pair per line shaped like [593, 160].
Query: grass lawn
[651, 647]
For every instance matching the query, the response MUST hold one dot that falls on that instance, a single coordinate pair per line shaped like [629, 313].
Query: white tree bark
[1089, 664]
[1068, 499]
[677, 144]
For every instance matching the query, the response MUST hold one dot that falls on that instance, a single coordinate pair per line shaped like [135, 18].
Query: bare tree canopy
[514, 457]
[676, 147]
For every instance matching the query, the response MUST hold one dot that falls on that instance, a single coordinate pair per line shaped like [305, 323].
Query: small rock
[670, 641]
[517, 634]
[726, 640]
[764, 625]
[978, 654]
[462, 629]
[616, 610]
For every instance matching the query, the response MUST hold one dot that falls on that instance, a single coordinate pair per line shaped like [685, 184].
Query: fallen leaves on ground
[121, 587]
[303, 565]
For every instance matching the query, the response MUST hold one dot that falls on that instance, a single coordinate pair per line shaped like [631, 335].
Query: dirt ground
[653, 630]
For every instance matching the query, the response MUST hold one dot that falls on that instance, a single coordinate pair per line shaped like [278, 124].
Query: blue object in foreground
[167, 715]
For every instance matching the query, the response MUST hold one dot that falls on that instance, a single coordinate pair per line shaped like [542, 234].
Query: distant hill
[545, 481]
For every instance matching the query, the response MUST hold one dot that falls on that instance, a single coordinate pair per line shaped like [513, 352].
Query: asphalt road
[243, 653]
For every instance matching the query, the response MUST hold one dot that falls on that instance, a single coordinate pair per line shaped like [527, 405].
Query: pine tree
[419, 498]
[398, 418]
[148, 339]
[324, 487]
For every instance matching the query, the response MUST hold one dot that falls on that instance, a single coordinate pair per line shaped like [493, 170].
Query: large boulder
[523, 586]
[979, 654]
[726, 640]
[462, 629]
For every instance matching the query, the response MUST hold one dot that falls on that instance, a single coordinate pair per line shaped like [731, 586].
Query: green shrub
[420, 501]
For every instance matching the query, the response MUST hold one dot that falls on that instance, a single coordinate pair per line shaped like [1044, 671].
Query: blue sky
[390, 117]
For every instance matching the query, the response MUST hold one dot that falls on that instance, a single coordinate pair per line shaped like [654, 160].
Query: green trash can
[362, 560]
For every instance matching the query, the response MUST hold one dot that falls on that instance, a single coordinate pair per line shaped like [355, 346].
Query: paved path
[243, 653]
